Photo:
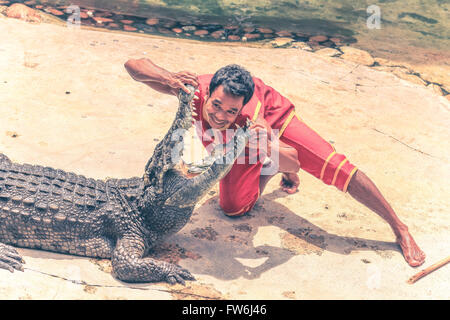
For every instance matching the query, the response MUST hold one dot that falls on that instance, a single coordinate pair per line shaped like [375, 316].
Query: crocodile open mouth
[223, 153]
[226, 152]
[203, 176]
[168, 153]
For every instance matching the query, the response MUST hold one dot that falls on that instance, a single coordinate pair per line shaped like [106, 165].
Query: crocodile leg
[130, 266]
[10, 259]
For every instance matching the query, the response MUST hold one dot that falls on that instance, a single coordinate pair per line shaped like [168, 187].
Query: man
[230, 97]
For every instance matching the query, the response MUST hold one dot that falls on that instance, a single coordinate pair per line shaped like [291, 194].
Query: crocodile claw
[10, 258]
[178, 275]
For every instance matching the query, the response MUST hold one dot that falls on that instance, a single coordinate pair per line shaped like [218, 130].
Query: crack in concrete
[84, 283]
[412, 148]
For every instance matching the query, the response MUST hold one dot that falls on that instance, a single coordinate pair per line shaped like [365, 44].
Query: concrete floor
[67, 102]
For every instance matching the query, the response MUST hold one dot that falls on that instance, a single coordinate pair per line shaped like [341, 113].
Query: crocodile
[117, 219]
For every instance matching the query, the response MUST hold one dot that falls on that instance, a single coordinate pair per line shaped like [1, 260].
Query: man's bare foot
[289, 182]
[411, 251]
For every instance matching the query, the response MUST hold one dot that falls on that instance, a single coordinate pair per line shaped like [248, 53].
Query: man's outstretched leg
[319, 158]
[364, 190]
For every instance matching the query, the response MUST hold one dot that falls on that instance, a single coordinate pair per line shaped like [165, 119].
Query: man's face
[221, 109]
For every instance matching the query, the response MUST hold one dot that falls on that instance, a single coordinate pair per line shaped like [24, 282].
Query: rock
[83, 15]
[284, 33]
[357, 56]
[329, 52]
[251, 36]
[217, 34]
[129, 28]
[411, 78]
[315, 45]
[55, 12]
[231, 27]
[101, 20]
[39, 6]
[29, 3]
[268, 35]
[435, 75]
[104, 14]
[318, 38]
[152, 21]
[201, 32]
[403, 73]
[189, 28]
[234, 38]
[390, 63]
[177, 30]
[302, 35]
[22, 12]
[113, 25]
[448, 97]
[302, 45]
[281, 42]
[169, 24]
[337, 41]
[164, 30]
[3, 2]
[249, 29]
[435, 88]
[127, 21]
[328, 43]
[265, 30]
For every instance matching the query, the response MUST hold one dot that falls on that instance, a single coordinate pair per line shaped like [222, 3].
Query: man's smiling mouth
[215, 121]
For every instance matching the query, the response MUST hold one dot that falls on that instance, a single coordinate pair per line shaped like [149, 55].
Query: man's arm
[159, 79]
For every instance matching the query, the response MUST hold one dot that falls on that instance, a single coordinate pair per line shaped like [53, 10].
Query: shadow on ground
[228, 248]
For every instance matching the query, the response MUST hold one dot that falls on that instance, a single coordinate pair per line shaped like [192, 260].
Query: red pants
[239, 189]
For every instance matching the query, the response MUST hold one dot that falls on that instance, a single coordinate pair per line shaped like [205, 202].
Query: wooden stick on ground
[428, 270]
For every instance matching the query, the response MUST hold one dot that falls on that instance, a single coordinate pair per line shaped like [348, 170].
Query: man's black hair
[235, 80]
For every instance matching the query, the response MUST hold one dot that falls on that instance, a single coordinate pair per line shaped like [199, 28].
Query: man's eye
[216, 106]
[231, 112]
